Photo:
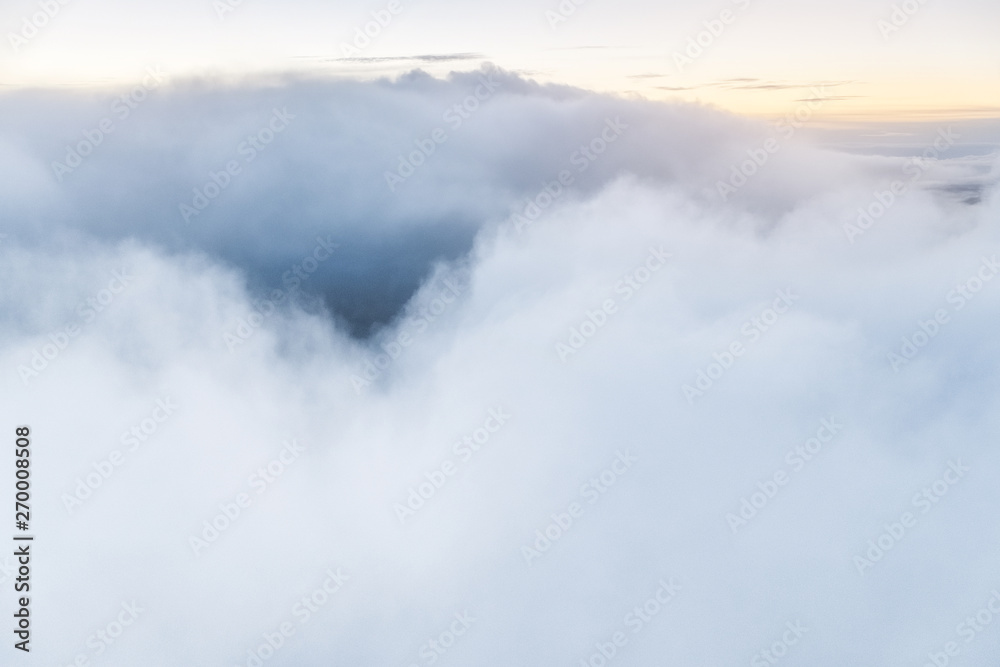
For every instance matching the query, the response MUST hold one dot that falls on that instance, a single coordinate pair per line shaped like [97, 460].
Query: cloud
[429, 58]
[744, 83]
[833, 98]
[326, 174]
[561, 417]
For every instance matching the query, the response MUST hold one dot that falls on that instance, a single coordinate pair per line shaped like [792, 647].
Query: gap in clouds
[324, 175]
[343, 169]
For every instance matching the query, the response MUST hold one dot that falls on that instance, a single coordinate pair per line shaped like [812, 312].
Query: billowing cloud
[648, 383]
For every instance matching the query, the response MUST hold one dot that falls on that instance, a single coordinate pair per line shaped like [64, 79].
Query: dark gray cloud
[428, 58]
[326, 173]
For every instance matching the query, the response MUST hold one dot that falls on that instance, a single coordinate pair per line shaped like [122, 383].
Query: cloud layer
[648, 406]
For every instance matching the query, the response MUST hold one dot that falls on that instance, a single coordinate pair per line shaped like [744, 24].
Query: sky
[916, 60]
[485, 348]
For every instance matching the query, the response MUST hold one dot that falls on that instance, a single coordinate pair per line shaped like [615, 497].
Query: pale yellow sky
[757, 57]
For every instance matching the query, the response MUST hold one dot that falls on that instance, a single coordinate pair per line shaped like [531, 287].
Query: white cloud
[495, 346]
